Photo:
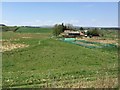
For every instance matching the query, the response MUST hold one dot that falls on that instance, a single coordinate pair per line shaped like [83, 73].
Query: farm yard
[31, 58]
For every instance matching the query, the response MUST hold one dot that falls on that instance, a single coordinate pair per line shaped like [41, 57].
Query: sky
[99, 14]
[60, 0]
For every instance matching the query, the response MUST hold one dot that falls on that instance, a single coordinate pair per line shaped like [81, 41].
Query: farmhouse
[71, 33]
[85, 32]
[81, 34]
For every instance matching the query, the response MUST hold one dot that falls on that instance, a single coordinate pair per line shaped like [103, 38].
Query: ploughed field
[34, 59]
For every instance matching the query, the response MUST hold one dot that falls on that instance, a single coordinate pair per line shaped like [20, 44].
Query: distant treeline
[8, 28]
[110, 28]
[31, 26]
[4, 27]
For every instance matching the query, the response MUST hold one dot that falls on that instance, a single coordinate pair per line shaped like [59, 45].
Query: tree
[69, 26]
[58, 29]
[55, 31]
[81, 28]
[93, 32]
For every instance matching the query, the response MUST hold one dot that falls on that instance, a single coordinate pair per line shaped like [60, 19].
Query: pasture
[44, 61]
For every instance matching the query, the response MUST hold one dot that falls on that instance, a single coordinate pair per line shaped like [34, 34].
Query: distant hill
[2, 25]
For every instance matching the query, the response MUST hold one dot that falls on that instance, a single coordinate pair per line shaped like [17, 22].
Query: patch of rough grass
[8, 46]
[106, 82]
[88, 82]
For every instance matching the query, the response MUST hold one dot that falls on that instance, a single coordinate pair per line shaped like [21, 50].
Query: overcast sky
[103, 14]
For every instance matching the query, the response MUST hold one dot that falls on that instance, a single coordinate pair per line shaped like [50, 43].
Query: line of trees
[8, 28]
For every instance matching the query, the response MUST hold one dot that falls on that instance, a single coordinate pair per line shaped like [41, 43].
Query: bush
[94, 32]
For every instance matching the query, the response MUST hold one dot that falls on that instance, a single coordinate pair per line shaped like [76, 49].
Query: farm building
[71, 33]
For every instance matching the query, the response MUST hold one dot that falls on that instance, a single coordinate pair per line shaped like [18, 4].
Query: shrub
[94, 32]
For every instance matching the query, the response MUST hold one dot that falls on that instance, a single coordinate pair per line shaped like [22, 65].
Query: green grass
[34, 30]
[110, 34]
[48, 62]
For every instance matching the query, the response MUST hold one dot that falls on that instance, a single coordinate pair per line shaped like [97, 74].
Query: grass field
[34, 30]
[48, 62]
